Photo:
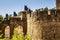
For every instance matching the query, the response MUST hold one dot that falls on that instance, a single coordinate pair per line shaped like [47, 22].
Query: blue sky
[9, 6]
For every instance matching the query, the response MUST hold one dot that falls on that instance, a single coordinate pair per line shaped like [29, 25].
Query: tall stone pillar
[24, 21]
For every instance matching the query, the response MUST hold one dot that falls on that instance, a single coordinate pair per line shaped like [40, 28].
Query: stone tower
[57, 4]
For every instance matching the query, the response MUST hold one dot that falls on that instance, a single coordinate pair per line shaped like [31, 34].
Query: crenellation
[42, 14]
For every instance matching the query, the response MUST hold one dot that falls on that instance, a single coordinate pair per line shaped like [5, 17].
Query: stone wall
[40, 24]
[43, 25]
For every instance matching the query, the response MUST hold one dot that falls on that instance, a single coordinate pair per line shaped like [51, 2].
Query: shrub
[17, 36]
[20, 36]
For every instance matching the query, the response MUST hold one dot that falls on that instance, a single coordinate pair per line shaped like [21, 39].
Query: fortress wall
[50, 31]
[34, 27]
[41, 26]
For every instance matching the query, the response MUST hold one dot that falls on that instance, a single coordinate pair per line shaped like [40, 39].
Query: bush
[20, 36]
[17, 36]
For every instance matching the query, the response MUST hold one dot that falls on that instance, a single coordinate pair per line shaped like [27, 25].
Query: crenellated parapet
[46, 15]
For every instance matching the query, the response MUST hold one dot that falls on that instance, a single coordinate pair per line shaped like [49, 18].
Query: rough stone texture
[57, 4]
[44, 25]
[7, 32]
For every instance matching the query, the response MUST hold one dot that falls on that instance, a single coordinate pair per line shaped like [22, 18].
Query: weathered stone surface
[7, 32]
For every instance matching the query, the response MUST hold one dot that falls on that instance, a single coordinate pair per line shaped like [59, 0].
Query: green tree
[9, 16]
[27, 37]
[1, 35]
[20, 36]
[17, 36]
[1, 17]
[19, 13]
